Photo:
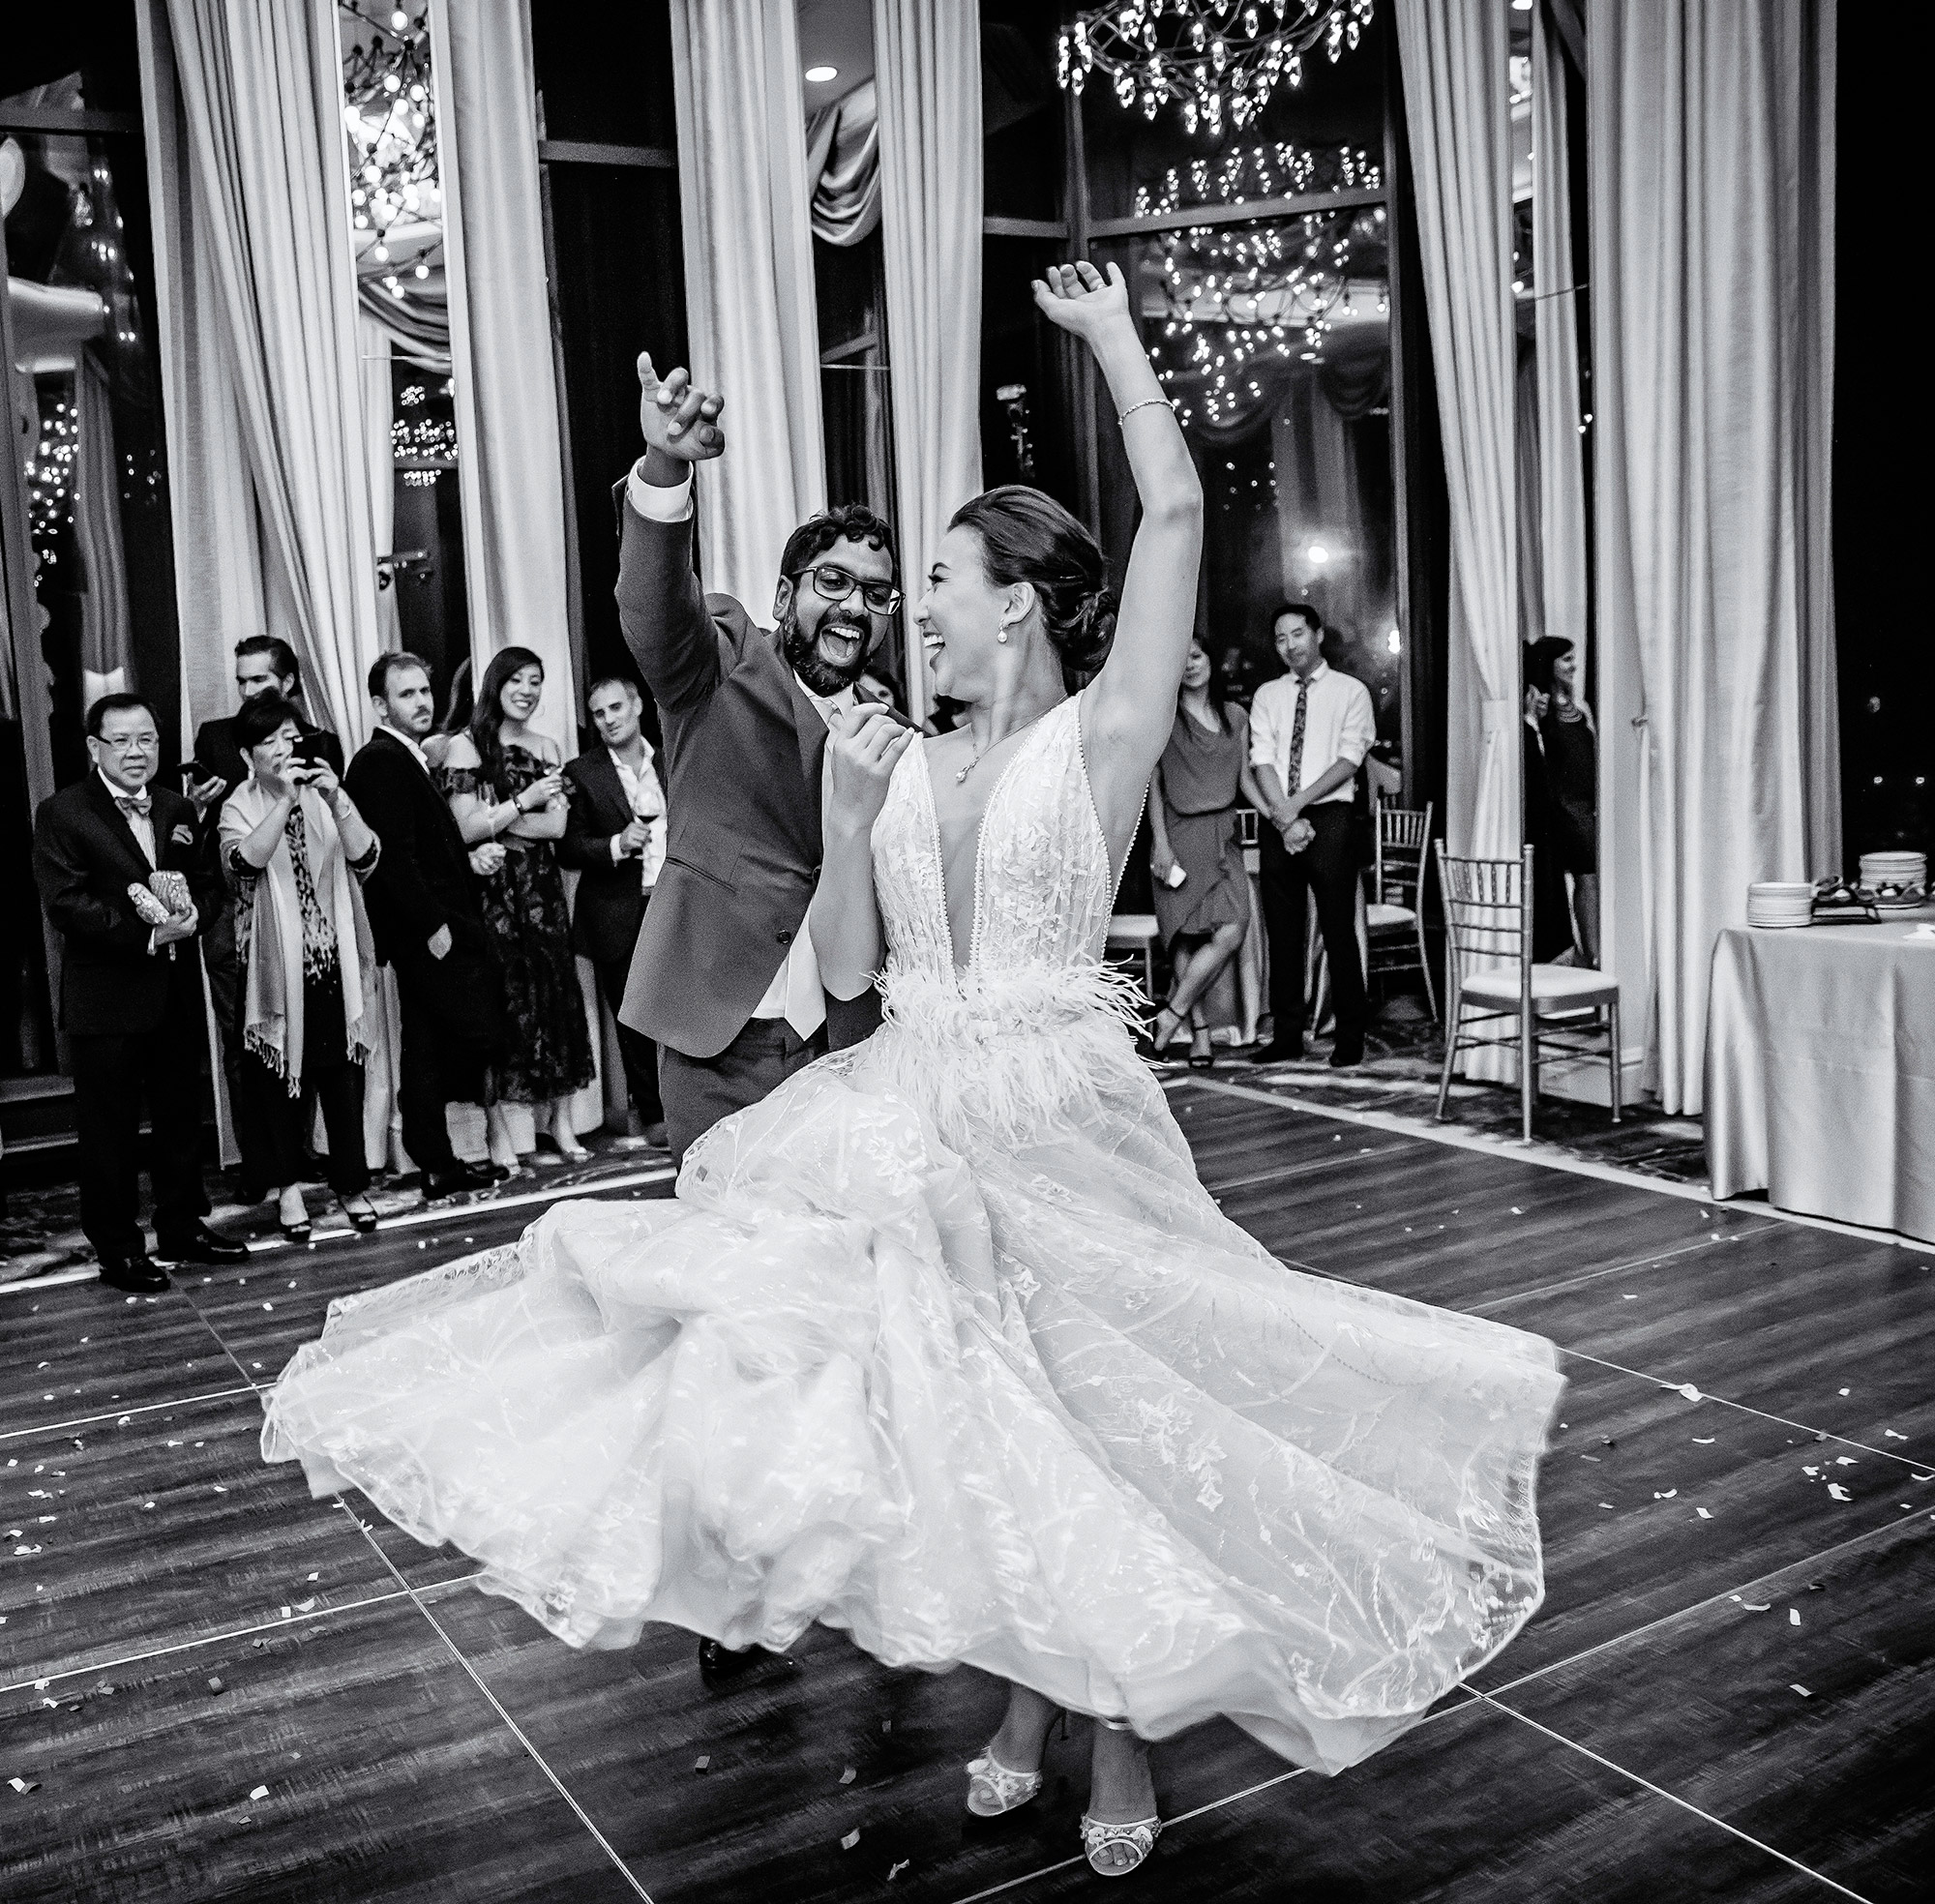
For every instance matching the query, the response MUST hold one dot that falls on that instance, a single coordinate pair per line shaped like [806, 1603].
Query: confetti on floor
[260, 1792]
[1800, 1689]
[1838, 1491]
[852, 1838]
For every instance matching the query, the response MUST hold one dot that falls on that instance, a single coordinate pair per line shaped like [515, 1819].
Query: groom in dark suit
[724, 977]
[131, 994]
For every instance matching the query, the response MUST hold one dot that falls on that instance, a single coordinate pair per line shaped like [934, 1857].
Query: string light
[388, 115]
[1208, 57]
[1261, 171]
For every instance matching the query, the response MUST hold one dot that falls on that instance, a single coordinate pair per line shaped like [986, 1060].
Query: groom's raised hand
[679, 422]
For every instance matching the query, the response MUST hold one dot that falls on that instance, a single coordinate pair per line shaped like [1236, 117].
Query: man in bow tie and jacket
[131, 992]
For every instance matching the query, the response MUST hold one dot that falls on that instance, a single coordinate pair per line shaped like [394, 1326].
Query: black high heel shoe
[363, 1221]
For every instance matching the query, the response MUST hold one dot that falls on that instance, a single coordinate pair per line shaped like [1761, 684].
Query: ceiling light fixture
[819, 74]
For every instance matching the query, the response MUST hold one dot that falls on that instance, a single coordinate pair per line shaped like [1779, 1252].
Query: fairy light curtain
[1713, 193]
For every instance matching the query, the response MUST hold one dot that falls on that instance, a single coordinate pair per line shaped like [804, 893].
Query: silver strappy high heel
[1139, 1836]
[993, 1788]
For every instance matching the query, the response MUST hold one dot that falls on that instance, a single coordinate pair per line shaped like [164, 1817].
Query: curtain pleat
[1453, 60]
[1711, 191]
[1562, 471]
[927, 62]
[510, 464]
[749, 283]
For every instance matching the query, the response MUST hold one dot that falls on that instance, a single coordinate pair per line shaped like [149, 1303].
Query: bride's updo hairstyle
[1026, 536]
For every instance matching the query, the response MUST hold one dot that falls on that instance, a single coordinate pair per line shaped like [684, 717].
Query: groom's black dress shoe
[720, 1665]
[138, 1275]
[1281, 1051]
[1346, 1053]
[202, 1245]
[458, 1180]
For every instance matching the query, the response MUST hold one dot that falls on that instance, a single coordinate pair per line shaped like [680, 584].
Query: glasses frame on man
[834, 591]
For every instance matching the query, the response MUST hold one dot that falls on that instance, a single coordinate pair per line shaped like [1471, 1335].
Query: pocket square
[183, 836]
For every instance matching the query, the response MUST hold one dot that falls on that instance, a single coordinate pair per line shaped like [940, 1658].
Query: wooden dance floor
[212, 1687]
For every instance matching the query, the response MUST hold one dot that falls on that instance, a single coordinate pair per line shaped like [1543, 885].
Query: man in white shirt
[725, 979]
[1309, 730]
[616, 838]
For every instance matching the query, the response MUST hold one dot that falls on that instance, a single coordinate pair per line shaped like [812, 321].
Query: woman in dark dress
[1573, 787]
[1203, 776]
[505, 783]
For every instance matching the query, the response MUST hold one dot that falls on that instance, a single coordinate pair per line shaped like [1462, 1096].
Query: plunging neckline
[1021, 736]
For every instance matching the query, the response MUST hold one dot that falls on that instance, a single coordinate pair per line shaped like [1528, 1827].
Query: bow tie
[133, 803]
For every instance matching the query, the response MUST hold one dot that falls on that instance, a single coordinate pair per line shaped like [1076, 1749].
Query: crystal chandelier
[1211, 57]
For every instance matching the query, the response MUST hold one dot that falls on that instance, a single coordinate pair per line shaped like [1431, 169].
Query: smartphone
[194, 773]
[308, 751]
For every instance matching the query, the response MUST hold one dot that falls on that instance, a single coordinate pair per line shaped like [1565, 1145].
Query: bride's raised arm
[1130, 706]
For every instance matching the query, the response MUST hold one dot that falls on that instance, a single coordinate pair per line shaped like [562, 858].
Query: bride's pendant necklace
[970, 767]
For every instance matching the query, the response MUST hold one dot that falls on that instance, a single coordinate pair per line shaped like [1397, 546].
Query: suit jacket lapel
[609, 790]
[116, 823]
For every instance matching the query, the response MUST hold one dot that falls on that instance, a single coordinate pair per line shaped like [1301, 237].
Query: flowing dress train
[944, 1345]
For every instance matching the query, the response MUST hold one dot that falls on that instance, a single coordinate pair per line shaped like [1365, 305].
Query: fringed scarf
[269, 932]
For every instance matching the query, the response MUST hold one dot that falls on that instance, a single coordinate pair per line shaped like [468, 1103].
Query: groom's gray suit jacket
[741, 761]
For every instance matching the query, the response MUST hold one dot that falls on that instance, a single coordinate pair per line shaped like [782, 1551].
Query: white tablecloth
[1821, 1070]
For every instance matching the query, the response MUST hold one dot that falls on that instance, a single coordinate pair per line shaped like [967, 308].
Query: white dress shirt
[796, 993]
[141, 824]
[416, 753]
[1339, 724]
[646, 799]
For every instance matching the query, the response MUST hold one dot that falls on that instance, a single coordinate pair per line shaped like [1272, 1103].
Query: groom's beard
[803, 654]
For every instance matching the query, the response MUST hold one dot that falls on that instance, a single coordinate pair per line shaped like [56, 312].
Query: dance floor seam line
[1660, 1791]
[121, 1413]
[294, 1619]
[1747, 1408]
[1456, 1138]
[1638, 1265]
[496, 1704]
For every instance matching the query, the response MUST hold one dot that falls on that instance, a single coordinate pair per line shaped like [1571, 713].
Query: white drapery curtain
[748, 299]
[1711, 187]
[510, 466]
[268, 283]
[926, 64]
[1454, 59]
[1561, 473]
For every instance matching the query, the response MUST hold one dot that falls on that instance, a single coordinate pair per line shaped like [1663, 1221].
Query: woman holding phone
[296, 853]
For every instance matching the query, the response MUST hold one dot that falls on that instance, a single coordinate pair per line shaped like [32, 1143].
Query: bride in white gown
[943, 1344]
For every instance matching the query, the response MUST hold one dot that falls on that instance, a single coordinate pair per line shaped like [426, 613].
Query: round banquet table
[1821, 1070]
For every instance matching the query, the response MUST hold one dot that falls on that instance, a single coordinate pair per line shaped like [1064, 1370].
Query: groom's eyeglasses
[836, 585]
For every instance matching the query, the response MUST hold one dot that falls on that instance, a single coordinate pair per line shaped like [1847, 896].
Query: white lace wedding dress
[944, 1345]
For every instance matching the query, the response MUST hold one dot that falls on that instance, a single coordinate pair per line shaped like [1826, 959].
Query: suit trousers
[699, 1092]
[112, 1074]
[451, 1020]
[640, 1054]
[1327, 867]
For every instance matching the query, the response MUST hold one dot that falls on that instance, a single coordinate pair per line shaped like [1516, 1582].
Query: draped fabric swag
[1454, 59]
[749, 283]
[510, 466]
[1711, 187]
[928, 67]
[266, 291]
[1561, 455]
[842, 166]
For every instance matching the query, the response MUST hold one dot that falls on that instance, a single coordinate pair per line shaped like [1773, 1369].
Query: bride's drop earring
[1001, 636]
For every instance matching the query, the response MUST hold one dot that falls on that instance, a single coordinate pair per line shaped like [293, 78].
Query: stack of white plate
[1781, 903]
[1906, 871]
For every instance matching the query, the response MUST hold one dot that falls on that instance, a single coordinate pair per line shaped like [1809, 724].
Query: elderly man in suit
[429, 925]
[131, 994]
[725, 979]
[614, 836]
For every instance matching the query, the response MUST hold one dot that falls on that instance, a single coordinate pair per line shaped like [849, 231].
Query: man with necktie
[1309, 730]
[131, 992]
